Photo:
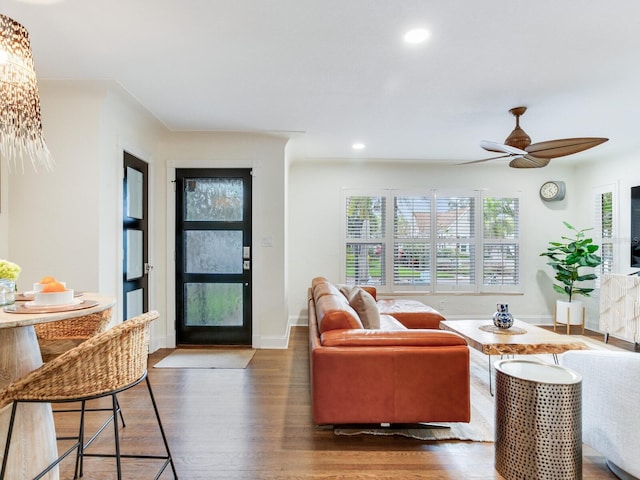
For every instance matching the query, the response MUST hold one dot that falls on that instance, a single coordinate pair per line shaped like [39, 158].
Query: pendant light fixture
[20, 123]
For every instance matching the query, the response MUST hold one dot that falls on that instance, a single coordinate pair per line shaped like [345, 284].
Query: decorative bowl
[37, 287]
[53, 298]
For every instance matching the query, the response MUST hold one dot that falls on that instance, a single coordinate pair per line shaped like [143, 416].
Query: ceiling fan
[525, 154]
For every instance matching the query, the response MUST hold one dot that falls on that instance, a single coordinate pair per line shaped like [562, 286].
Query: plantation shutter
[411, 241]
[603, 234]
[501, 243]
[365, 242]
[455, 246]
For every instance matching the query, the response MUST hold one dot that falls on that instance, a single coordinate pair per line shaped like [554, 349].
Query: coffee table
[521, 339]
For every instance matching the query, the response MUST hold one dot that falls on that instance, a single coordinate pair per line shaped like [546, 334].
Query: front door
[135, 229]
[213, 256]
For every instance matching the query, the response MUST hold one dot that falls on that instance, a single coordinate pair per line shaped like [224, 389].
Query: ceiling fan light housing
[518, 139]
[528, 161]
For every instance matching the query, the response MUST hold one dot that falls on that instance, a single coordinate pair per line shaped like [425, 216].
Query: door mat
[207, 358]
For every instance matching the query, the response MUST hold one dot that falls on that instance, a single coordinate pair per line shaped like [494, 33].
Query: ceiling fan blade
[484, 159]
[565, 146]
[501, 148]
[528, 161]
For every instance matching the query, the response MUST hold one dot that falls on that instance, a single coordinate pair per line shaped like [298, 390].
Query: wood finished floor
[255, 424]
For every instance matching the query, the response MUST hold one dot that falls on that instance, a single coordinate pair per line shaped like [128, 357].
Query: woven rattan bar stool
[55, 338]
[104, 365]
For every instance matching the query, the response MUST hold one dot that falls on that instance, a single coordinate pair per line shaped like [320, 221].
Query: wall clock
[552, 191]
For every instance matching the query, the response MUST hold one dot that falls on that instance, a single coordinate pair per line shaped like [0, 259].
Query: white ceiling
[333, 72]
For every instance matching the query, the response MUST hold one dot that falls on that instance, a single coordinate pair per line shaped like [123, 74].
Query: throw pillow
[345, 290]
[365, 305]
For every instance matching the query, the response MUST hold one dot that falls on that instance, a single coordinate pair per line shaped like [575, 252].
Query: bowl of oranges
[50, 291]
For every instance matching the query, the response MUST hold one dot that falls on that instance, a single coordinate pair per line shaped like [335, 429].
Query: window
[433, 241]
[604, 231]
[455, 263]
[411, 241]
[366, 245]
[501, 246]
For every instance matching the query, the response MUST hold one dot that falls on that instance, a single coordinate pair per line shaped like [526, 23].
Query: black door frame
[142, 282]
[212, 335]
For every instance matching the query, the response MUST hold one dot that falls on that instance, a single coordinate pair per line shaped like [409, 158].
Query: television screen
[635, 227]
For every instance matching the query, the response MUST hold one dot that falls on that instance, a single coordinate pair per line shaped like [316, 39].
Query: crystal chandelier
[20, 123]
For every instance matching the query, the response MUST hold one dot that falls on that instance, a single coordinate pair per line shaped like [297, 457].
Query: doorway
[135, 228]
[213, 256]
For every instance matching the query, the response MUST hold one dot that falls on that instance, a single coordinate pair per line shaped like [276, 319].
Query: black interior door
[135, 282]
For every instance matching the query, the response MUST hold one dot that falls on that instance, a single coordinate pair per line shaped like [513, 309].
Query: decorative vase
[502, 318]
[7, 291]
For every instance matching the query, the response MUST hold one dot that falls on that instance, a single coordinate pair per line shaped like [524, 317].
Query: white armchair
[610, 406]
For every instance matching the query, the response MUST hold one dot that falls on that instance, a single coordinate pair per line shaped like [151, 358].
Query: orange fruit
[47, 279]
[53, 287]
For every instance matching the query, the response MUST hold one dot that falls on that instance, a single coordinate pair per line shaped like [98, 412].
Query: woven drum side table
[538, 432]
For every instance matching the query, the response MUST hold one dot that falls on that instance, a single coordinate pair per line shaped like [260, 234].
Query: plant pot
[569, 313]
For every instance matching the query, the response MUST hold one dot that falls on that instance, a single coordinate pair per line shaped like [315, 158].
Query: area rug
[207, 358]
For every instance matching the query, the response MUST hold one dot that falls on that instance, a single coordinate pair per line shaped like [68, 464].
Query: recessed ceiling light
[358, 146]
[417, 35]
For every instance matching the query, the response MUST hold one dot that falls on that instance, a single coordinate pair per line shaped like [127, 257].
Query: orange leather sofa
[404, 371]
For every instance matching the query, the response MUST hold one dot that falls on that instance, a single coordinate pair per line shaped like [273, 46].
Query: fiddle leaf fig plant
[568, 257]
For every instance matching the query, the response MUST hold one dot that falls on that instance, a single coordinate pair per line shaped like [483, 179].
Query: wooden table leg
[33, 446]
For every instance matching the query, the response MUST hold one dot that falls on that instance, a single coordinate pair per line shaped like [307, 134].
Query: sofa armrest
[398, 338]
[610, 392]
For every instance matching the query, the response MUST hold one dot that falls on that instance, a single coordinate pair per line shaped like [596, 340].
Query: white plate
[76, 301]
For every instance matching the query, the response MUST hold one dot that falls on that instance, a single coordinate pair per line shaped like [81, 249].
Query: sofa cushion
[318, 280]
[390, 324]
[334, 312]
[380, 338]
[324, 288]
[365, 305]
[345, 289]
[411, 313]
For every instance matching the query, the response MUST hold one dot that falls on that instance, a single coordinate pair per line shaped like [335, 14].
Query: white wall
[54, 217]
[4, 209]
[315, 225]
[265, 154]
[67, 223]
[623, 173]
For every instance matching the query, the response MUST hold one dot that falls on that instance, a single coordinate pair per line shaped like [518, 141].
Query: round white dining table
[33, 445]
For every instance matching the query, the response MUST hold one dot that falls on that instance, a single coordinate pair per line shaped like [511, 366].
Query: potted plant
[567, 258]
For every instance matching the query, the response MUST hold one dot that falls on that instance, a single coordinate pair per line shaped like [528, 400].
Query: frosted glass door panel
[135, 262]
[134, 194]
[214, 199]
[212, 251]
[213, 304]
[134, 303]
